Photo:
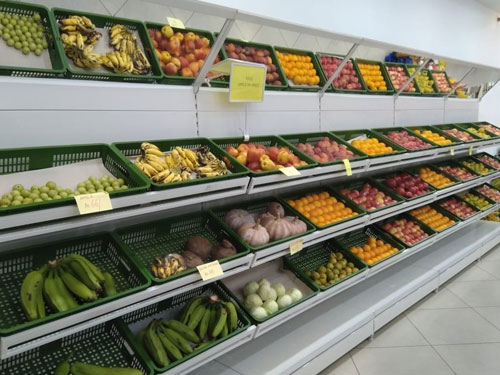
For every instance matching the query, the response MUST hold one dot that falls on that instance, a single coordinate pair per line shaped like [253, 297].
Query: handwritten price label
[471, 148]
[175, 22]
[347, 165]
[452, 151]
[90, 203]
[290, 171]
[247, 83]
[296, 246]
[210, 270]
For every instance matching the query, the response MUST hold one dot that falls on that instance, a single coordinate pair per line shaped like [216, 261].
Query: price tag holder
[452, 151]
[347, 165]
[247, 83]
[210, 270]
[296, 246]
[91, 203]
[471, 148]
[290, 171]
[175, 22]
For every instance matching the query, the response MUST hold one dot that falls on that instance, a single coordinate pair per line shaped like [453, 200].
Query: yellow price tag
[290, 171]
[347, 165]
[210, 270]
[175, 22]
[96, 202]
[452, 151]
[471, 148]
[246, 83]
[296, 246]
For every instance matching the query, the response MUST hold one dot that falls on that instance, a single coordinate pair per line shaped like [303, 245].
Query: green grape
[82, 190]
[63, 194]
[20, 23]
[9, 26]
[59, 189]
[25, 44]
[120, 181]
[27, 200]
[6, 36]
[34, 195]
[51, 185]
[13, 22]
[57, 196]
[75, 193]
[15, 39]
[37, 200]
[5, 21]
[11, 42]
[36, 17]
[124, 187]
[44, 189]
[8, 196]
[44, 196]
[92, 191]
[18, 45]
[109, 189]
[15, 17]
[25, 193]
[16, 203]
[4, 202]
[100, 190]
[26, 50]
[52, 193]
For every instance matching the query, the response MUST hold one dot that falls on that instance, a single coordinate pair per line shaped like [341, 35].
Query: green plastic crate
[441, 201]
[170, 308]
[483, 155]
[106, 22]
[385, 131]
[444, 127]
[473, 192]
[312, 138]
[416, 171]
[388, 83]
[406, 216]
[131, 149]
[312, 257]
[429, 75]
[146, 242]
[224, 81]
[355, 68]
[463, 159]
[467, 125]
[348, 135]
[381, 179]
[257, 208]
[360, 237]
[268, 141]
[443, 212]
[178, 79]
[106, 344]
[455, 141]
[28, 159]
[407, 74]
[357, 184]
[290, 85]
[302, 193]
[453, 164]
[50, 32]
[100, 249]
[481, 124]
[491, 187]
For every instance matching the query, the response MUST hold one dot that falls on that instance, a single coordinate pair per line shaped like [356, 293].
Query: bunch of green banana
[61, 284]
[119, 62]
[167, 265]
[125, 41]
[79, 368]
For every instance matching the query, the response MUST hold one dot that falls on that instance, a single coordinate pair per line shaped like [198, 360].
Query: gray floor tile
[475, 273]
[491, 314]
[213, 368]
[477, 293]
[490, 266]
[415, 360]
[113, 5]
[344, 366]
[444, 299]
[400, 332]
[454, 326]
[493, 254]
[472, 359]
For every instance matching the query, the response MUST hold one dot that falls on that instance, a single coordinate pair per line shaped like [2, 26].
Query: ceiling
[493, 4]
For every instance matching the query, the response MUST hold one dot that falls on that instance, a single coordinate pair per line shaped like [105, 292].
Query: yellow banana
[154, 151]
[169, 178]
[170, 161]
[180, 151]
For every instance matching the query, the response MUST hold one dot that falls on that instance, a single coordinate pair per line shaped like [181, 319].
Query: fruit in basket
[333, 271]
[434, 137]
[479, 168]
[257, 55]
[125, 42]
[278, 228]
[97, 185]
[398, 78]
[298, 68]
[457, 208]
[368, 197]
[326, 150]
[407, 140]
[431, 217]
[490, 128]
[489, 192]
[372, 146]
[24, 33]
[276, 209]
[79, 368]
[191, 259]
[476, 201]
[460, 134]
[254, 234]
[373, 251]
[347, 78]
[494, 216]
[407, 185]
[481, 133]
[223, 250]
[459, 173]
[434, 178]
[180, 164]
[486, 159]
[423, 80]
[260, 158]
[408, 231]
[167, 265]
[441, 82]
[235, 218]
[198, 245]
[373, 77]
[322, 208]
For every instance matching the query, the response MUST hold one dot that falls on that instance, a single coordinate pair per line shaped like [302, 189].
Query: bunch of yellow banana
[125, 41]
[167, 265]
[120, 62]
[494, 216]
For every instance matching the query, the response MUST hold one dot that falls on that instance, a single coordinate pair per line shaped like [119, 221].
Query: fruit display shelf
[55, 67]
[456, 143]
[103, 24]
[493, 138]
[443, 191]
[409, 141]
[170, 308]
[488, 126]
[450, 128]
[351, 71]
[405, 185]
[487, 159]
[402, 73]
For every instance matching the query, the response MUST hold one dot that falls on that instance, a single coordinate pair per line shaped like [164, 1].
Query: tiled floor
[454, 331]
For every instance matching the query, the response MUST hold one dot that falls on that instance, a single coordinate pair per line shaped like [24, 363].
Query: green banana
[178, 340]
[52, 294]
[203, 326]
[232, 316]
[182, 329]
[30, 288]
[79, 368]
[96, 271]
[225, 331]
[83, 272]
[213, 314]
[172, 350]
[189, 309]
[63, 368]
[40, 303]
[78, 288]
[221, 320]
[155, 346]
[63, 290]
[140, 336]
[196, 317]
[203, 344]
[109, 285]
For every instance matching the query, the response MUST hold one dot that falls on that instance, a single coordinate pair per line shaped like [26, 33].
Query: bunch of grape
[24, 33]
